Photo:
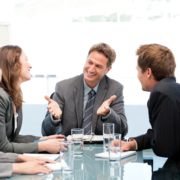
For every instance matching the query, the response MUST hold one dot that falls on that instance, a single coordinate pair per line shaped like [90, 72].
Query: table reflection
[87, 167]
[170, 171]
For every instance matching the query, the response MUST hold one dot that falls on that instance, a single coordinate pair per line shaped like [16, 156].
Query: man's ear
[149, 73]
[108, 69]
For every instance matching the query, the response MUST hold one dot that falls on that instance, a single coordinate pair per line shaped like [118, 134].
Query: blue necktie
[87, 121]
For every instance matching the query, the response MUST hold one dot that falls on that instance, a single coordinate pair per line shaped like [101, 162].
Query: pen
[91, 137]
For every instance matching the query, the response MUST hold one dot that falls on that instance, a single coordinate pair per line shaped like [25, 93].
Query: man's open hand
[104, 109]
[54, 108]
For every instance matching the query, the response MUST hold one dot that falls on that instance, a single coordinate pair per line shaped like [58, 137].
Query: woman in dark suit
[16, 70]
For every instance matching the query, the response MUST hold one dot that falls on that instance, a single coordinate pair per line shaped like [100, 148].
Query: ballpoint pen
[92, 135]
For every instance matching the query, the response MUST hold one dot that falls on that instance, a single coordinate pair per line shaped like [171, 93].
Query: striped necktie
[87, 121]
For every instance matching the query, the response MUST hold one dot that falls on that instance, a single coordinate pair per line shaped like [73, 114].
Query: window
[57, 34]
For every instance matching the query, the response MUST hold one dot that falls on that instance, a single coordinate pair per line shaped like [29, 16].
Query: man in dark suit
[88, 100]
[156, 66]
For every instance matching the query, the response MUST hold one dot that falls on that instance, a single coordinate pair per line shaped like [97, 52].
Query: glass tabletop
[143, 165]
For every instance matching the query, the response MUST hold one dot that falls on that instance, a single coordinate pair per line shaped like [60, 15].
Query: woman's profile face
[25, 68]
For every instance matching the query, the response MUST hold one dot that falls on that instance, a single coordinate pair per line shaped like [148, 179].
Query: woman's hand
[24, 158]
[52, 137]
[32, 167]
[51, 145]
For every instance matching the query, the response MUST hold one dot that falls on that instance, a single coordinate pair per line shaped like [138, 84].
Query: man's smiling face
[95, 68]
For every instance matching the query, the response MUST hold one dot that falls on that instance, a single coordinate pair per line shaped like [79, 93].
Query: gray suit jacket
[11, 141]
[69, 94]
[6, 160]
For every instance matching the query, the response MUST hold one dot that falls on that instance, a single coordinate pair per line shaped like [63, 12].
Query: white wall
[5, 36]
[62, 49]
[56, 45]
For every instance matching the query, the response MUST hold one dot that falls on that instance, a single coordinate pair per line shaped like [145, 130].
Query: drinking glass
[77, 137]
[117, 136]
[67, 156]
[108, 133]
[115, 148]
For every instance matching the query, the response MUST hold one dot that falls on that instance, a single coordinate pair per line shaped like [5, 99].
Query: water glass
[77, 137]
[67, 156]
[115, 148]
[117, 136]
[108, 133]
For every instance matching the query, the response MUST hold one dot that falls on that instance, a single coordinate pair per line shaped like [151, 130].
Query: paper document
[88, 138]
[58, 166]
[54, 167]
[97, 138]
[123, 154]
[47, 156]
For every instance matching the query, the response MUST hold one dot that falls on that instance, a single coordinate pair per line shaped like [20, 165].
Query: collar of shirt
[87, 88]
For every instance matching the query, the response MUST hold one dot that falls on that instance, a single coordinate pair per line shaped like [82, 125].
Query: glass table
[143, 165]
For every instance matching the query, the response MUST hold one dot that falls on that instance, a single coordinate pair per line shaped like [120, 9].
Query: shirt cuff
[107, 116]
[55, 122]
[131, 139]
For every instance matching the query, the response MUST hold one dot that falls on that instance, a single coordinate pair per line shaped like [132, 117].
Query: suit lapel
[13, 117]
[79, 99]
[101, 93]
[19, 120]
[19, 123]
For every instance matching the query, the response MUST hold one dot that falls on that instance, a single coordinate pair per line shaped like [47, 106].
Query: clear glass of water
[108, 133]
[115, 148]
[67, 156]
[77, 137]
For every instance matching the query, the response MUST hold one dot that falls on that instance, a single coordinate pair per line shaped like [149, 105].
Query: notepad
[105, 155]
[52, 157]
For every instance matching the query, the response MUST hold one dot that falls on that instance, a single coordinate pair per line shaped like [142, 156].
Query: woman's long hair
[11, 67]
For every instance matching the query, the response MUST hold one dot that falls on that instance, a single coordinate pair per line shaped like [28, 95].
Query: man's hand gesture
[104, 109]
[54, 108]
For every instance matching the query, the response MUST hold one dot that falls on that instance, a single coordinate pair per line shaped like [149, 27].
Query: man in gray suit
[88, 100]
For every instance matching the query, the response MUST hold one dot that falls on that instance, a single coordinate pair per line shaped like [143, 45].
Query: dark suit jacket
[11, 141]
[69, 94]
[6, 160]
[164, 116]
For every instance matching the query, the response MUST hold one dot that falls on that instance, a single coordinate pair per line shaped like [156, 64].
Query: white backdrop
[62, 50]
[56, 45]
